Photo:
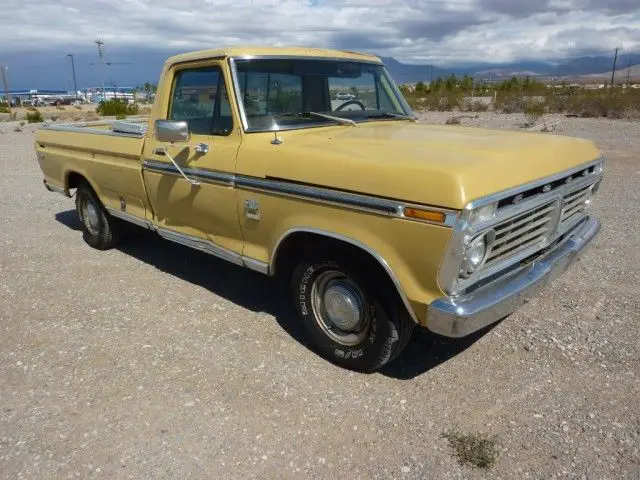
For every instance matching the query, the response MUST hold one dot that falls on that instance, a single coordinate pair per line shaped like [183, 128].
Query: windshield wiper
[392, 115]
[344, 121]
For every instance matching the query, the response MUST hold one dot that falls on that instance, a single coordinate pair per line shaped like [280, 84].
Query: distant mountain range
[52, 69]
[578, 67]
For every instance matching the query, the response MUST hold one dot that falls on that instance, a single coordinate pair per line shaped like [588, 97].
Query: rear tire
[99, 229]
[351, 313]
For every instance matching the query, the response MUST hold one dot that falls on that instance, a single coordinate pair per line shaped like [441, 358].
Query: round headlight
[475, 253]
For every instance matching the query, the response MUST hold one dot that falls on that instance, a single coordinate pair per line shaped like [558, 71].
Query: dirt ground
[156, 361]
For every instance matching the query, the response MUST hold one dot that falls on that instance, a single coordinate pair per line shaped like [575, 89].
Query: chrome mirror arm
[163, 151]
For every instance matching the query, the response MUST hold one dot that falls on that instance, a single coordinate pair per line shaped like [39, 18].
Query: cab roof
[271, 51]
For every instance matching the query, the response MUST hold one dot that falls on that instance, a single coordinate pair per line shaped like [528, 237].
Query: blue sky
[40, 33]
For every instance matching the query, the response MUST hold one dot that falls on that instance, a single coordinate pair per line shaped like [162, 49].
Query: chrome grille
[574, 205]
[521, 232]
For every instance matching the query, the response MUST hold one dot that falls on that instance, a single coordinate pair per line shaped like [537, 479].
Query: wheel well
[74, 179]
[298, 245]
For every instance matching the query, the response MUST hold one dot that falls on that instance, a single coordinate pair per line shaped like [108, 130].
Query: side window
[200, 97]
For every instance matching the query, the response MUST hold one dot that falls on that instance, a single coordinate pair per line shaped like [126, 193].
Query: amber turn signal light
[427, 215]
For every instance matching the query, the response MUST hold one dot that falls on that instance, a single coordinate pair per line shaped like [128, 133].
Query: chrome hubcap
[90, 216]
[339, 308]
[343, 306]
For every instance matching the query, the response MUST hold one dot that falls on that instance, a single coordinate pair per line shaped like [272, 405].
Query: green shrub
[120, 117]
[35, 117]
[4, 108]
[117, 107]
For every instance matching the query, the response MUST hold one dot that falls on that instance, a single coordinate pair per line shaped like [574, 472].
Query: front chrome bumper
[460, 316]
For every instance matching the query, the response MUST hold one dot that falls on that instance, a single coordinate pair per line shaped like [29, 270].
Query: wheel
[349, 314]
[99, 229]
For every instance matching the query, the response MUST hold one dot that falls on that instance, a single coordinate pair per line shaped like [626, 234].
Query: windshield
[280, 94]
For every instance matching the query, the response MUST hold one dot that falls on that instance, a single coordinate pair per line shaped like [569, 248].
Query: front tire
[350, 313]
[99, 229]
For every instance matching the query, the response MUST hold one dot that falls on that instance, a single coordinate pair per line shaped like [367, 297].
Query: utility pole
[100, 43]
[613, 73]
[73, 69]
[629, 72]
[5, 83]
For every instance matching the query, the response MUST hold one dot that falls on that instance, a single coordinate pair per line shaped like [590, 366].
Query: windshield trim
[236, 85]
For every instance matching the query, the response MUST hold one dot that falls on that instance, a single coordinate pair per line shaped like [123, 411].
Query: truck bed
[107, 152]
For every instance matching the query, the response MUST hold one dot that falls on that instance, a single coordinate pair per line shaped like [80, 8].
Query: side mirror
[172, 131]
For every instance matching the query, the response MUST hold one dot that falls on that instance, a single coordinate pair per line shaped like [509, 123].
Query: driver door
[207, 210]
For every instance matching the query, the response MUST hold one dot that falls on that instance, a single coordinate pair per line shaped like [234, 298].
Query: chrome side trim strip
[371, 204]
[201, 244]
[216, 250]
[55, 188]
[380, 206]
[93, 131]
[337, 236]
[194, 242]
[209, 176]
[127, 217]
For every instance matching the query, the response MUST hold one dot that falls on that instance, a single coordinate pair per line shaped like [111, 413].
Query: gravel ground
[155, 361]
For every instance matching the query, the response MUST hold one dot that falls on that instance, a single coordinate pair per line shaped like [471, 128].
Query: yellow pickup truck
[308, 165]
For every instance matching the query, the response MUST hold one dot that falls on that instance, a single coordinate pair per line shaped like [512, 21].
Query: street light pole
[73, 69]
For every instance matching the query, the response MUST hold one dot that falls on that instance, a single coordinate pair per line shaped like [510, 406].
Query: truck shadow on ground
[259, 293]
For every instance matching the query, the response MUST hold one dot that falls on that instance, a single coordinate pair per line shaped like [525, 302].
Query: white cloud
[412, 30]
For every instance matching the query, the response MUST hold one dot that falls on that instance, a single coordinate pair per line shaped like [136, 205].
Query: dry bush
[59, 107]
[474, 106]
[452, 121]
[534, 110]
[78, 107]
[91, 116]
[146, 110]
[31, 109]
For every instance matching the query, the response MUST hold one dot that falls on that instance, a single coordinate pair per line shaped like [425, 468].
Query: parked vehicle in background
[377, 222]
[345, 96]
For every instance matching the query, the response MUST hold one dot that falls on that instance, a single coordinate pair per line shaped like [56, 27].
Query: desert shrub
[31, 109]
[17, 129]
[509, 102]
[22, 124]
[4, 108]
[534, 110]
[35, 117]
[474, 106]
[78, 107]
[452, 121]
[54, 118]
[59, 107]
[117, 107]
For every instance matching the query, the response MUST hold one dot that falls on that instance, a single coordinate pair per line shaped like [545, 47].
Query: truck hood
[446, 166]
